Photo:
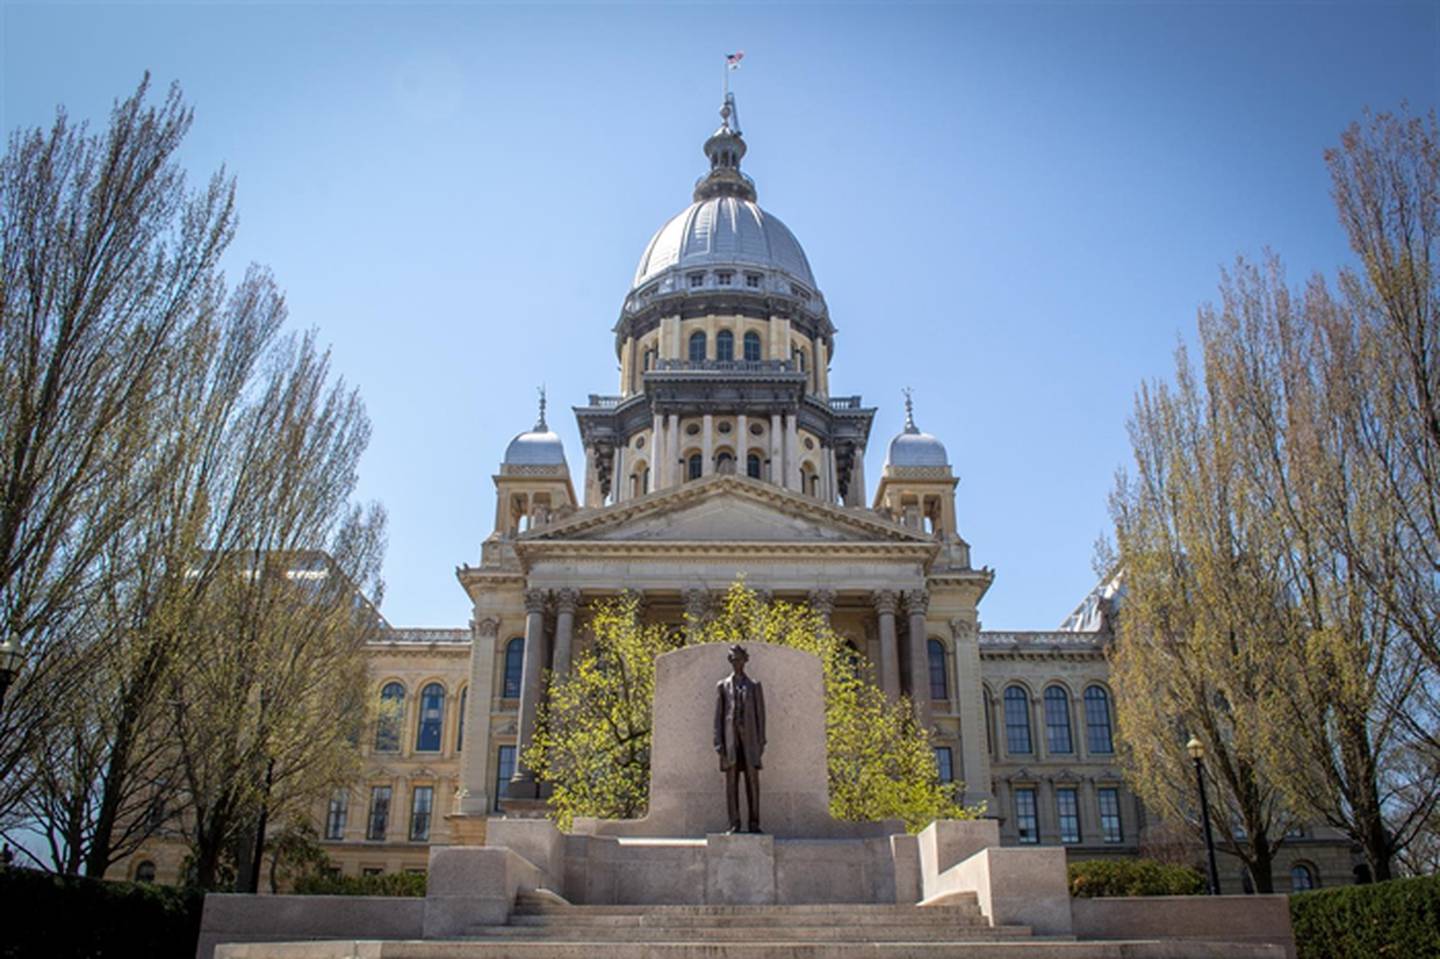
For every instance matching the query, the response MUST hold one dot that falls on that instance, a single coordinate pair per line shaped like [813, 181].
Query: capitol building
[726, 452]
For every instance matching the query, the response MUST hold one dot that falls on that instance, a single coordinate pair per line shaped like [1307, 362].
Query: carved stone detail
[823, 602]
[536, 600]
[567, 600]
[963, 631]
[885, 600]
[487, 628]
[916, 601]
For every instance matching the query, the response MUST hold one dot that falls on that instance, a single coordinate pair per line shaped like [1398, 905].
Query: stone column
[777, 452]
[697, 604]
[475, 777]
[885, 603]
[619, 482]
[673, 448]
[566, 601]
[522, 784]
[707, 444]
[742, 444]
[792, 451]
[917, 601]
[823, 602]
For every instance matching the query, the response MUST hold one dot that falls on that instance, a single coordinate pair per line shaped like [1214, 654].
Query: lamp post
[1196, 749]
[12, 657]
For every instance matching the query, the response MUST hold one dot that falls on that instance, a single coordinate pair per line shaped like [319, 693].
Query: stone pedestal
[739, 869]
[466, 830]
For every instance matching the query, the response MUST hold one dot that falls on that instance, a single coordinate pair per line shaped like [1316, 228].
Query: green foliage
[1095, 878]
[593, 740]
[1399, 919]
[69, 917]
[385, 884]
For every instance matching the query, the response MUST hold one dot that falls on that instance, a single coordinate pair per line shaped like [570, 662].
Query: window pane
[1017, 721]
[944, 764]
[695, 466]
[514, 667]
[724, 345]
[938, 689]
[335, 818]
[392, 715]
[752, 343]
[145, 872]
[1301, 878]
[1110, 815]
[379, 812]
[432, 718]
[1067, 805]
[1026, 821]
[1097, 720]
[1057, 721]
[504, 769]
[697, 347]
[421, 804]
[752, 466]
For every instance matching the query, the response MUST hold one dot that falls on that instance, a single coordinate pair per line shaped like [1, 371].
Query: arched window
[1017, 721]
[514, 668]
[1057, 721]
[392, 715]
[649, 362]
[1302, 878]
[697, 347]
[694, 466]
[938, 687]
[145, 872]
[645, 480]
[724, 463]
[432, 718]
[1097, 721]
[460, 722]
[752, 347]
[752, 465]
[798, 356]
[724, 345]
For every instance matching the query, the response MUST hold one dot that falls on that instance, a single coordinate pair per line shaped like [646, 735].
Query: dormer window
[723, 278]
[697, 279]
[752, 280]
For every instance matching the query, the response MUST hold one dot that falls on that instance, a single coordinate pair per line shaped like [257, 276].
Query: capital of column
[823, 601]
[886, 601]
[916, 601]
[536, 600]
[962, 630]
[567, 600]
[486, 628]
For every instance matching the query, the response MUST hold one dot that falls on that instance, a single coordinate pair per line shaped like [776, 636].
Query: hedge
[386, 884]
[71, 917]
[1132, 877]
[1398, 919]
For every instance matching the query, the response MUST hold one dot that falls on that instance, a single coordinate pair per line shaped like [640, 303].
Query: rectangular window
[371, 871]
[1027, 822]
[422, 801]
[944, 764]
[752, 280]
[697, 279]
[723, 278]
[1110, 815]
[379, 813]
[1067, 805]
[504, 769]
[335, 818]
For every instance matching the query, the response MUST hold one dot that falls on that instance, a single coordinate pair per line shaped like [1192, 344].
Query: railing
[1041, 639]
[726, 366]
[605, 402]
[845, 403]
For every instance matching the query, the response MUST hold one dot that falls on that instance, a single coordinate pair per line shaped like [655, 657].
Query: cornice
[591, 547]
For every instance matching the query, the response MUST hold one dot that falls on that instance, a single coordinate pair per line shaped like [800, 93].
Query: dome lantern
[725, 149]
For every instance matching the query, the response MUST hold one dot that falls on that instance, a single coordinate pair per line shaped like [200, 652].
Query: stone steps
[719, 936]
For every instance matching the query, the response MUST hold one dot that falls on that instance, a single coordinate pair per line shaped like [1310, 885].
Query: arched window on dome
[432, 719]
[392, 716]
[697, 347]
[752, 465]
[725, 346]
[752, 347]
[649, 362]
[797, 356]
[694, 466]
[725, 462]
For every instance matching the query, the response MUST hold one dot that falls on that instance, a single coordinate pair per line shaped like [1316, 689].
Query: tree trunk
[1262, 866]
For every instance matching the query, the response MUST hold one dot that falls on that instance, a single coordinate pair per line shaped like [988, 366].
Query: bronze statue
[740, 737]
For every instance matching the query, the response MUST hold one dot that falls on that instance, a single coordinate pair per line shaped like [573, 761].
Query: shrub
[1132, 877]
[71, 917]
[1399, 919]
[386, 884]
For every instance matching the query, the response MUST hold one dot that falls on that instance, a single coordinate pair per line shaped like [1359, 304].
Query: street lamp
[1196, 749]
[12, 657]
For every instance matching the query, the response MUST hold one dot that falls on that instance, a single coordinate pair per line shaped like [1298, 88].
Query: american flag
[732, 60]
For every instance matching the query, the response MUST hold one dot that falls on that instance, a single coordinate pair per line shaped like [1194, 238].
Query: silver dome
[535, 448]
[724, 230]
[916, 449]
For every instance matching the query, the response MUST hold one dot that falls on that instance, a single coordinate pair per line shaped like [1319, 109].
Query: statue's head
[738, 656]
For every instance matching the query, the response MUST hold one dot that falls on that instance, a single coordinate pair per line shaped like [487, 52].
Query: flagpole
[724, 79]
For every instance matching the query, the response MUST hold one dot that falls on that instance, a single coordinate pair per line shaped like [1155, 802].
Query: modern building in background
[726, 453]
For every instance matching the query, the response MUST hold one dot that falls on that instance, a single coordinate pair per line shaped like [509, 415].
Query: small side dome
[912, 448]
[536, 447]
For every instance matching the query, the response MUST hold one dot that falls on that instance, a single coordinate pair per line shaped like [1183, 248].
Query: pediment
[727, 509]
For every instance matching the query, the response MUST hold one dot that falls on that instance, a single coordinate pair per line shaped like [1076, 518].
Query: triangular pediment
[727, 509]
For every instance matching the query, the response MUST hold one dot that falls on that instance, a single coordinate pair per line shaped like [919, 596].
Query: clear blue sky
[1013, 208]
